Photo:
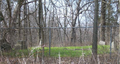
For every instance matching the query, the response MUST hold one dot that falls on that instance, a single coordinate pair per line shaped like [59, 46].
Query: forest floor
[102, 59]
[60, 55]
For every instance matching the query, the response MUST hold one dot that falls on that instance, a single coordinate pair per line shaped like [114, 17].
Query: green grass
[74, 51]
[64, 51]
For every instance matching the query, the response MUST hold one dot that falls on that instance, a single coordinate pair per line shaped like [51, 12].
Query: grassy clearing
[75, 51]
[64, 51]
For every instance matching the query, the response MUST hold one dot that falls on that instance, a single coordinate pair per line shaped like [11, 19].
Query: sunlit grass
[73, 51]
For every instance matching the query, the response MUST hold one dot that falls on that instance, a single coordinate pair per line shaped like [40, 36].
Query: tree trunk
[80, 31]
[41, 32]
[45, 31]
[108, 23]
[15, 12]
[25, 22]
[95, 31]
[73, 32]
[19, 25]
[65, 19]
[73, 35]
[103, 23]
[30, 32]
[10, 14]
[119, 27]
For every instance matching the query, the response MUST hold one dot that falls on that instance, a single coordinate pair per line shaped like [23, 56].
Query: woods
[59, 23]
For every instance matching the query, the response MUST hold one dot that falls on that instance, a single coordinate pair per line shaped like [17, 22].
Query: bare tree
[103, 21]
[41, 25]
[25, 22]
[65, 19]
[1, 15]
[29, 24]
[74, 19]
[73, 23]
[95, 31]
[108, 21]
[10, 13]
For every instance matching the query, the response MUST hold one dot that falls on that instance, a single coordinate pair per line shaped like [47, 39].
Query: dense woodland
[69, 22]
[59, 22]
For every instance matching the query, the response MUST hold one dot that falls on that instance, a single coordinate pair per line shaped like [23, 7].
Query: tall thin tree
[119, 24]
[103, 21]
[41, 25]
[95, 30]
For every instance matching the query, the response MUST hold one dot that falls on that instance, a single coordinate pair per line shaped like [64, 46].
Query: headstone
[101, 42]
[17, 46]
[112, 46]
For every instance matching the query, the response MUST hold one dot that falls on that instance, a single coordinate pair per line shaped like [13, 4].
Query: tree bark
[95, 33]
[108, 22]
[41, 25]
[119, 26]
[30, 32]
[73, 35]
[19, 24]
[65, 19]
[15, 12]
[25, 22]
[10, 14]
[103, 21]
